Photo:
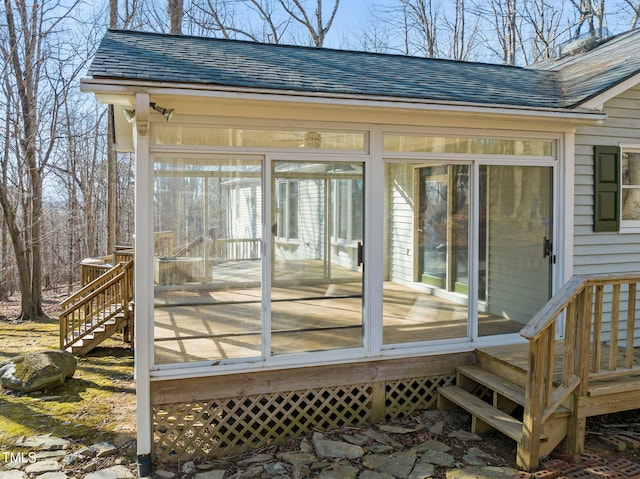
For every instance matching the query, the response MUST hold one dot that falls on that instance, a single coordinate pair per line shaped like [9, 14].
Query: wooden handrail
[580, 303]
[554, 307]
[96, 283]
[96, 303]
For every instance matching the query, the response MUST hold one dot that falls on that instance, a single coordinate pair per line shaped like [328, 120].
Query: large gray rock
[37, 371]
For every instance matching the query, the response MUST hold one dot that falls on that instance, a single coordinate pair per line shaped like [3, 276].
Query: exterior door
[516, 251]
[317, 273]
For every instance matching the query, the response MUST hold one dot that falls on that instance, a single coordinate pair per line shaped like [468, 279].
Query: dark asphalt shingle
[164, 58]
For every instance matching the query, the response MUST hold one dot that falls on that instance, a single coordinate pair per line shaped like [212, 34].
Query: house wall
[604, 252]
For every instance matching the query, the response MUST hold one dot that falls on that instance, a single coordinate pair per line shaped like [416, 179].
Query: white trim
[473, 237]
[112, 87]
[627, 226]
[565, 237]
[375, 244]
[143, 268]
[597, 102]
[327, 358]
[267, 258]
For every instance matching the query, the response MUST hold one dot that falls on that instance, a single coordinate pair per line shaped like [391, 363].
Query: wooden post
[529, 449]
[577, 422]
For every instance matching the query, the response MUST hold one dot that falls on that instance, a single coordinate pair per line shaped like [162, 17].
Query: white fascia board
[598, 101]
[107, 89]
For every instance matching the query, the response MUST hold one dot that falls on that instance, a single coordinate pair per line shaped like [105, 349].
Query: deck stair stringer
[495, 403]
[120, 323]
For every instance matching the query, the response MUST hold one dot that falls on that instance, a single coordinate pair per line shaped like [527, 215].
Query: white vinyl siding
[401, 229]
[245, 220]
[311, 226]
[604, 252]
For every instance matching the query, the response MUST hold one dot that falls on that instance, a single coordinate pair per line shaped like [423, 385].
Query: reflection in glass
[207, 217]
[426, 284]
[631, 186]
[517, 275]
[317, 281]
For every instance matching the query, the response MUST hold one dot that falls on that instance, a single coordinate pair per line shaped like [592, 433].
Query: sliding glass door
[434, 233]
[317, 234]
[517, 251]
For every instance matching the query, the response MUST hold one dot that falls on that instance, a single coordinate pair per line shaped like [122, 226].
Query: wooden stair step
[488, 414]
[496, 383]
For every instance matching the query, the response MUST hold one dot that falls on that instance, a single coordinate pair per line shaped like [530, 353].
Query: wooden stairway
[493, 391]
[120, 323]
[100, 309]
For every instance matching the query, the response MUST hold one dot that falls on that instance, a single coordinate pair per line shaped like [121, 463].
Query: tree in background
[37, 78]
[544, 18]
[634, 6]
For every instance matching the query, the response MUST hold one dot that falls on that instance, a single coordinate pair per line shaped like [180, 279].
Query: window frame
[341, 210]
[627, 226]
[289, 207]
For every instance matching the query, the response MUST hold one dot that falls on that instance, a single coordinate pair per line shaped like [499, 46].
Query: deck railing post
[578, 422]
[529, 449]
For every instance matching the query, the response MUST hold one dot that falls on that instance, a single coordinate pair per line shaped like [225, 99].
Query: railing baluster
[615, 322]
[549, 350]
[569, 340]
[585, 304]
[96, 304]
[597, 330]
[631, 323]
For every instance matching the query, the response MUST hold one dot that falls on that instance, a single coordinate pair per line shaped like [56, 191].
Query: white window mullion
[474, 252]
[268, 220]
[374, 244]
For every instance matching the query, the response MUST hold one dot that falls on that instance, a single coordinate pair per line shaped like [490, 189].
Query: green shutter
[606, 207]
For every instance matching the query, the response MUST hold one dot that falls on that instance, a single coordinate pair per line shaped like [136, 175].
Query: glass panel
[631, 185]
[478, 146]
[317, 281]
[256, 137]
[207, 216]
[516, 275]
[426, 260]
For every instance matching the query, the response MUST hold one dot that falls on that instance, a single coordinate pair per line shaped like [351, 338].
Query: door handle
[546, 247]
[360, 253]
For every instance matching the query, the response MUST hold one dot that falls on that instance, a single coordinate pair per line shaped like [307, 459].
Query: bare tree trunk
[544, 18]
[28, 250]
[318, 29]
[635, 12]
[591, 13]
[176, 13]
[5, 275]
[422, 16]
[462, 39]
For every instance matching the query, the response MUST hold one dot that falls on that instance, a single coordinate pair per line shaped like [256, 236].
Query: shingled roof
[171, 59]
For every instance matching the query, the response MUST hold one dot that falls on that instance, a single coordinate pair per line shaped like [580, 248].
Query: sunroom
[323, 236]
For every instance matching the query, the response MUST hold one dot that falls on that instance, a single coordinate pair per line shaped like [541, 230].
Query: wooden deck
[220, 324]
[516, 356]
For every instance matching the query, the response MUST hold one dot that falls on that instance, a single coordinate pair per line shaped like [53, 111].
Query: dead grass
[97, 404]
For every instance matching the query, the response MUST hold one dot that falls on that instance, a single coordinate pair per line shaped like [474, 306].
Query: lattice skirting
[223, 427]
